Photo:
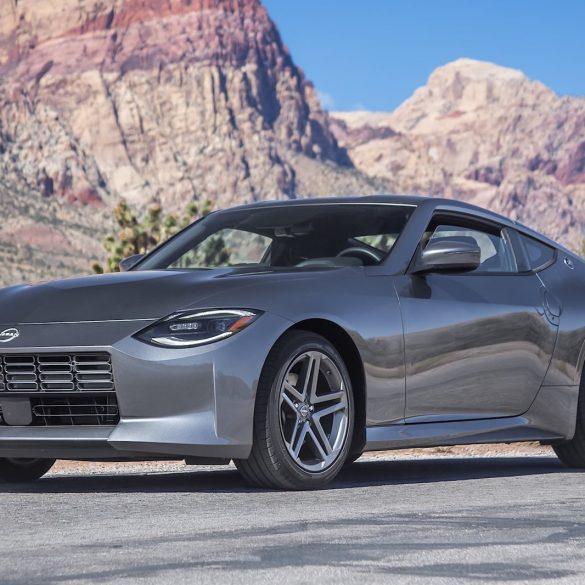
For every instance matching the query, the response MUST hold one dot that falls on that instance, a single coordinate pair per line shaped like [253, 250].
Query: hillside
[156, 101]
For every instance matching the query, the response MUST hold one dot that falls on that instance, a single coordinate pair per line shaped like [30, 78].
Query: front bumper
[196, 402]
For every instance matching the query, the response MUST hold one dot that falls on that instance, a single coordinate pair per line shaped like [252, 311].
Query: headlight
[190, 329]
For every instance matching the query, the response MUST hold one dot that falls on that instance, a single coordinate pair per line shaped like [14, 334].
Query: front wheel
[352, 459]
[23, 470]
[304, 416]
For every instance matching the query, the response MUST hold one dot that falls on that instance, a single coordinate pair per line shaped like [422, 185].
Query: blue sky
[372, 54]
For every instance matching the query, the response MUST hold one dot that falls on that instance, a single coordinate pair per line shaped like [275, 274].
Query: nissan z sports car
[290, 337]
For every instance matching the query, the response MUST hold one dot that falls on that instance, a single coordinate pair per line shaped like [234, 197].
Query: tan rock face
[484, 134]
[168, 101]
[149, 99]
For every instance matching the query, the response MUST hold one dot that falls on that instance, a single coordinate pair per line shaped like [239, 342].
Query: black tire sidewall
[11, 472]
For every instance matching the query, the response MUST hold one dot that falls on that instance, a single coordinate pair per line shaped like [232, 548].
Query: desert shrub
[138, 235]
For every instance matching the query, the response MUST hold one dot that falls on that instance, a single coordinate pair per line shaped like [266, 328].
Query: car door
[477, 344]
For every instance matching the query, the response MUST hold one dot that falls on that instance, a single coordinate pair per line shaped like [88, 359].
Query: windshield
[285, 236]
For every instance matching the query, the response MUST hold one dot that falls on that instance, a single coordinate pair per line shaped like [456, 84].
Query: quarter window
[537, 253]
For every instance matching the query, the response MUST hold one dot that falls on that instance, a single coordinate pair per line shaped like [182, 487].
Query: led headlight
[191, 328]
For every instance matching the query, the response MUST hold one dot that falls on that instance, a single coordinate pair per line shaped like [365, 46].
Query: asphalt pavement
[476, 520]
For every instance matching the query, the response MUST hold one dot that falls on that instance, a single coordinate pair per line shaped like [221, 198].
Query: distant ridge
[484, 134]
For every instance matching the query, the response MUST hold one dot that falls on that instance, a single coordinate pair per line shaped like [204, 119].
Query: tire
[23, 470]
[572, 452]
[351, 459]
[302, 428]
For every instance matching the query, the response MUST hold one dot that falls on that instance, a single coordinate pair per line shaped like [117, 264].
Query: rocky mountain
[155, 101]
[485, 134]
[179, 100]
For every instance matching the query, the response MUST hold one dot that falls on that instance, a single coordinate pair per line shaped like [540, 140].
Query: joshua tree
[137, 236]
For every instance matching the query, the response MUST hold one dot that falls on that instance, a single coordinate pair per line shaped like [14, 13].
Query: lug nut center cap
[304, 411]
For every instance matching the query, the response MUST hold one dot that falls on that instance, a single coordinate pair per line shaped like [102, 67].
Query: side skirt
[551, 418]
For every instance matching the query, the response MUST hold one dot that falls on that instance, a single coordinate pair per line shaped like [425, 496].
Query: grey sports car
[290, 337]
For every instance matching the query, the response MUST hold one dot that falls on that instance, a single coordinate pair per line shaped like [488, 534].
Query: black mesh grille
[70, 410]
[84, 372]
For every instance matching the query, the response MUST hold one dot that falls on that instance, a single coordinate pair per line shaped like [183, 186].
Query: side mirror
[442, 255]
[128, 263]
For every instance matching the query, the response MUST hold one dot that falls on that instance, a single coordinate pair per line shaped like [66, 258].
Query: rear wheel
[303, 422]
[572, 453]
[23, 470]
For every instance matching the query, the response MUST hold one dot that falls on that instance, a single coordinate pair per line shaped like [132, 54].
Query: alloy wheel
[314, 411]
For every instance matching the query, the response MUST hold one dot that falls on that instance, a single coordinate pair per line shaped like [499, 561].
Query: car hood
[131, 295]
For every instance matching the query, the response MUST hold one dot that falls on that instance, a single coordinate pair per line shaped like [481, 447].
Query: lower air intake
[67, 410]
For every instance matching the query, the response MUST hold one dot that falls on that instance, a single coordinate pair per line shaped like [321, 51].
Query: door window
[496, 252]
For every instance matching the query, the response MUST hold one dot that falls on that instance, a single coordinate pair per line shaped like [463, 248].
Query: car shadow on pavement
[360, 474]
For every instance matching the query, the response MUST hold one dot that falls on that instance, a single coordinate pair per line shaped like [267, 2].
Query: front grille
[64, 389]
[83, 372]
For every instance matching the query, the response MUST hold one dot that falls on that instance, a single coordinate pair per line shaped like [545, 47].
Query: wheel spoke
[324, 455]
[302, 381]
[296, 427]
[322, 436]
[328, 397]
[313, 377]
[329, 410]
[285, 398]
[288, 387]
[301, 439]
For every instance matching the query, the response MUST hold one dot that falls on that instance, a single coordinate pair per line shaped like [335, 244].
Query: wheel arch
[345, 345]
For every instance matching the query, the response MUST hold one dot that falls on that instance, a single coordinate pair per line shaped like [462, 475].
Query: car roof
[411, 200]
